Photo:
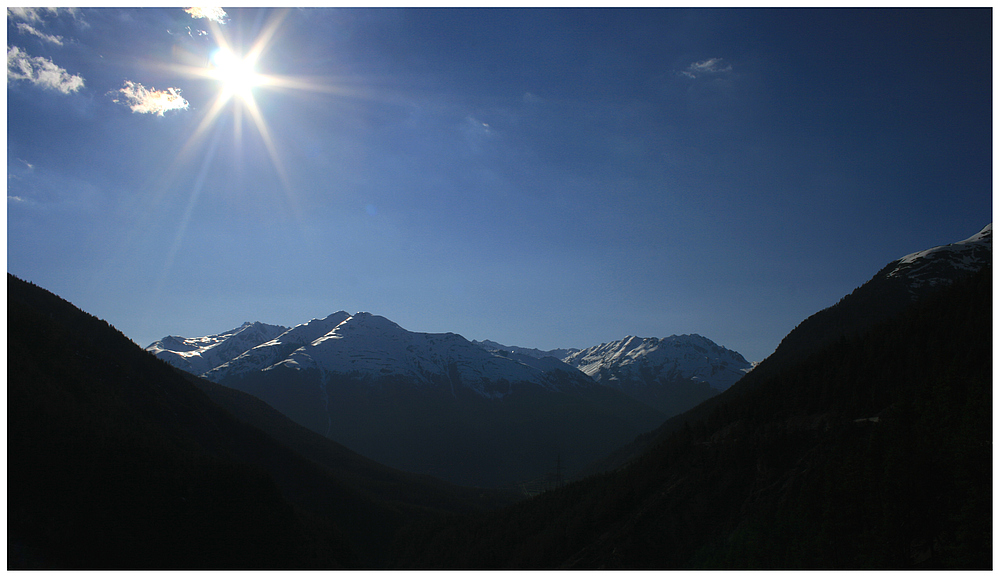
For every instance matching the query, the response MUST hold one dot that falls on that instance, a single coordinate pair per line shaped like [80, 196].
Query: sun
[236, 75]
[235, 70]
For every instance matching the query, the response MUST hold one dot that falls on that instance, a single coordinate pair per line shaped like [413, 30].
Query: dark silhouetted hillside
[889, 292]
[874, 451]
[117, 460]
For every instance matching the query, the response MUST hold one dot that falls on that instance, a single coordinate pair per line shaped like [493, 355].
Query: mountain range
[118, 460]
[864, 441]
[366, 344]
[870, 451]
[441, 405]
[475, 413]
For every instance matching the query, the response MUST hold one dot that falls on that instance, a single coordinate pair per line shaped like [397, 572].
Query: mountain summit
[678, 357]
[940, 265]
[363, 346]
[895, 287]
[275, 350]
[200, 354]
[367, 346]
[671, 374]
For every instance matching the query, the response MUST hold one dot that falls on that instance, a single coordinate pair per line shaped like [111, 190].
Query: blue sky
[544, 178]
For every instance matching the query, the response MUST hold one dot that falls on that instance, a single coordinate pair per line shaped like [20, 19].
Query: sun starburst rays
[235, 75]
[242, 85]
[237, 78]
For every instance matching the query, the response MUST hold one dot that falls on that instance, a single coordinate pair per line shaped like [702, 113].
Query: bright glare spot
[237, 75]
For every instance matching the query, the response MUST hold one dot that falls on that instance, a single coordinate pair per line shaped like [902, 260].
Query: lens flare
[236, 70]
[236, 75]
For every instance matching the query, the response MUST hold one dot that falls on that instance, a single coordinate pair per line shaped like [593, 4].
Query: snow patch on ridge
[678, 357]
[937, 265]
[200, 354]
[274, 351]
[371, 346]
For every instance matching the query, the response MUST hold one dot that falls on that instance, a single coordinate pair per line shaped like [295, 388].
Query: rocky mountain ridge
[370, 346]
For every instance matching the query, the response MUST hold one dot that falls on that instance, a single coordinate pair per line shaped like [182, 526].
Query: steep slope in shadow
[117, 460]
[889, 292]
[873, 452]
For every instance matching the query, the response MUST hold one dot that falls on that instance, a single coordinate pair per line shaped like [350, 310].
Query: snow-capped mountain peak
[362, 324]
[938, 265]
[363, 346]
[200, 354]
[314, 329]
[648, 359]
[370, 347]
[273, 351]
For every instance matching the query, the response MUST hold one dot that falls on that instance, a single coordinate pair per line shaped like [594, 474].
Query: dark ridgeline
[117, 460]
[864, 442]
[889, 292]
[874, 451]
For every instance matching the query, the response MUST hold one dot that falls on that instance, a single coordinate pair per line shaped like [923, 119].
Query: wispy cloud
[531, 98]
[210, 12]
[710, 66]
[29, 14]
[149, 100]
[40, 71]
[28, 29]
[38, 14]
[15, 173]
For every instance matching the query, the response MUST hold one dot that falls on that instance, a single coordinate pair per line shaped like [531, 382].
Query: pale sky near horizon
[545, 178]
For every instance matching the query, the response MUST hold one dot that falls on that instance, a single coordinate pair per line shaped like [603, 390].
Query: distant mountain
[200, 354]
[270, 352]
[889, 292]
[870, 451]
[530, 352]
[118, 460]
[671, 374]
[433, 403]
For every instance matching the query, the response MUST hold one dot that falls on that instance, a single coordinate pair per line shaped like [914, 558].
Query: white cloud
[151, 101]
[28, 14]
[210, 12]
[28, 29]
[36, 14]
[710, 66]
[40, 71]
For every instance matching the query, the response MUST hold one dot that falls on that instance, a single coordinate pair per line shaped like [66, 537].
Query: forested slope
[118, 461]
[875, 452]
